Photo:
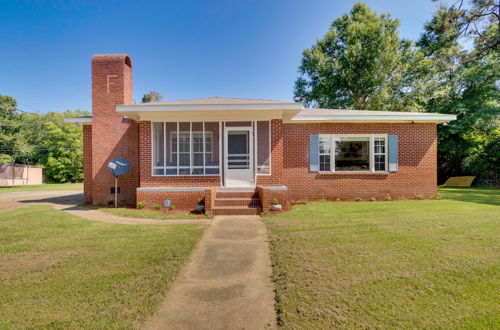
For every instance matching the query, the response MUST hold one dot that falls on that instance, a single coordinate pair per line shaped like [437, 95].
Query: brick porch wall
[417, 173]
[183, 200]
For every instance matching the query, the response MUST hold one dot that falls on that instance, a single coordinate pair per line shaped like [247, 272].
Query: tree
[12, 139]
[41, 139]
[474, 22]
[360, 63]
[152, 96]
[464, 83]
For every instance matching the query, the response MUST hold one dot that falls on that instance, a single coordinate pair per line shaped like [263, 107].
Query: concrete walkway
[226, 283]
[68, 201]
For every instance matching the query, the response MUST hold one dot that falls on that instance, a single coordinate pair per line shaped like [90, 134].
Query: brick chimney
[112, 135]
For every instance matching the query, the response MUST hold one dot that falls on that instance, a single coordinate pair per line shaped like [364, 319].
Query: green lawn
[60, 271]
[145, 214]
[404, 264]
[44, 187]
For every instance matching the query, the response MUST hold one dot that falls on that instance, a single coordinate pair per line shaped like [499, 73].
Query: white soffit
[332, 115]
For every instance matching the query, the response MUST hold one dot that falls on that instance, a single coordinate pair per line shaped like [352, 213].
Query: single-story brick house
[240, 154]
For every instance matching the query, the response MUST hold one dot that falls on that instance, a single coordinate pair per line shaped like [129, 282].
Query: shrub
[401, 198]
[373, 199]
[157, 207]
[358, 199]
[275, 201]
[265, 213]
[172, 207]
[388, 198]
[338, 199]
[420, 196]
[111, 202]
[100, 203]
[208, 214]
[141, 205]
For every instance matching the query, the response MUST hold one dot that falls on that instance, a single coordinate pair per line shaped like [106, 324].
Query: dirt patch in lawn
[12, 265]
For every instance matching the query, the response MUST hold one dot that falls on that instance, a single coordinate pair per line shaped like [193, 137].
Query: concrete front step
[237, 202]
[236, 194]
[236, 210]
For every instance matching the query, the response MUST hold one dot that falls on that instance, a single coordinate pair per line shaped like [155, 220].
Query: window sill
[353, 173]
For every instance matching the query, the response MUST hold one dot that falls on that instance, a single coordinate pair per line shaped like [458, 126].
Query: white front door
[238, 157]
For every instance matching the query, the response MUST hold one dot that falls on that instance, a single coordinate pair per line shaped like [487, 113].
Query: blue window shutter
[393, 153]
[314, 153]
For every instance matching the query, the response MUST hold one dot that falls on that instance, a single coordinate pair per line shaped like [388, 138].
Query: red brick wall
[112, 135]
[417, 172]
[87, 163]
[183, 200]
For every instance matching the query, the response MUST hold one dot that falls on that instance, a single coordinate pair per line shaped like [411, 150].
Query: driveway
[69, 201]
[227, 282]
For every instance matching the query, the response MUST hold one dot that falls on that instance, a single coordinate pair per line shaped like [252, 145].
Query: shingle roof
[217, 100]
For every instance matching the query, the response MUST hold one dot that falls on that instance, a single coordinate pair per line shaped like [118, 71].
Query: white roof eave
[434, 118]
[81, 121]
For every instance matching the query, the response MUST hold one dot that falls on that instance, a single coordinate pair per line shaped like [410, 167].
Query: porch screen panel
[186, 148]
[158, 149]
[197, 148]
[170, 132]
[263, 147]
[182, 147]
[212, 140]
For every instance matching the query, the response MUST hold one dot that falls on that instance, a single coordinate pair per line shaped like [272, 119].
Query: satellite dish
[118, 166]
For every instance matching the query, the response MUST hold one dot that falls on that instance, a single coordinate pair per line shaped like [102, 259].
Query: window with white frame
[185, 148]
[324, 152]
[352, 153]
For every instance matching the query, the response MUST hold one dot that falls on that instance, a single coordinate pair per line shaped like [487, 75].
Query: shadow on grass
[490, 196]
[73, 199]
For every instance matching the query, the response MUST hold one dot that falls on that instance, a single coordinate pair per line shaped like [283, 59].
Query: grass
[144, 214]
[60, 271]
[44, 187]
[404, 264]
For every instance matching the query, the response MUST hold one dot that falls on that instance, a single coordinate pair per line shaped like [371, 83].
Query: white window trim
[371, 139]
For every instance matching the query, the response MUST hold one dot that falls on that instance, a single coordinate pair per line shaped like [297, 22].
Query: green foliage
[42, 139]
[4, 158]
[468, 88]
[141, 205]
[360, 63]
[157, 207]
[388, 198]
[152, 96]
[172, 207]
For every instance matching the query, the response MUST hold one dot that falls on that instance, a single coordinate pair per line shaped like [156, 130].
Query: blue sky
[183, 49]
